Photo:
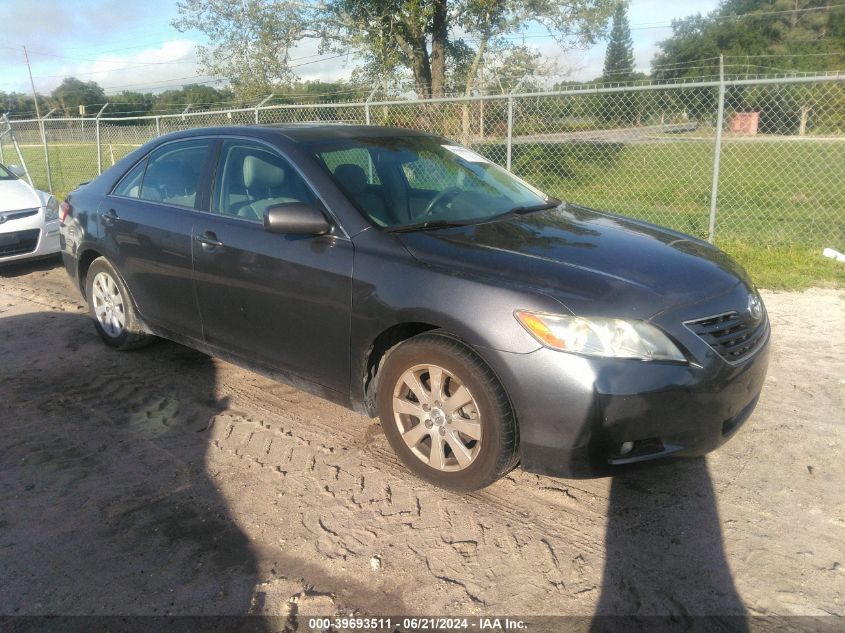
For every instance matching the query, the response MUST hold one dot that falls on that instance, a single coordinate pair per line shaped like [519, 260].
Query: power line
[145, 64]
[165, 83]
[110, 70]
[648, 25]
[88, 59]
[839, 54]
[644, 26]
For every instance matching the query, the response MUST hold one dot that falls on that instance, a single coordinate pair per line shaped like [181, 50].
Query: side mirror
[296, 218]
[17, 170]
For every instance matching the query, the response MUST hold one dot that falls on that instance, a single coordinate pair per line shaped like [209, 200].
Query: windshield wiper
[429, 225]
[522, 210]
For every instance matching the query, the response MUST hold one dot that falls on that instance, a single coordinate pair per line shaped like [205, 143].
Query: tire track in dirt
[318, 490]
[346, 486]
[350, 500]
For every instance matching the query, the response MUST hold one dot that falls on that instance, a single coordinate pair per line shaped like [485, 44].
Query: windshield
[403, 181]
[5, 174]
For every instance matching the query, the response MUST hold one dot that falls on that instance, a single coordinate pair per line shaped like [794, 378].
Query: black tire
[497, 453]
[132, 335]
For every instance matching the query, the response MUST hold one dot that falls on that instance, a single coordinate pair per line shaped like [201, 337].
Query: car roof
[305, 132]
[301, 132]
[298, 132]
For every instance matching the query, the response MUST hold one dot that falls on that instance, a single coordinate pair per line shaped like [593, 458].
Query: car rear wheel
[445, 413]
[111, 308]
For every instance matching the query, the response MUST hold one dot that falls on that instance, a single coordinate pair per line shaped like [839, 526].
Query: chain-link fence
[742, 162]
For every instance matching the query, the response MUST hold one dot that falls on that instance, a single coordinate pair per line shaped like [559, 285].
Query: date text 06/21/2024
[417, 624]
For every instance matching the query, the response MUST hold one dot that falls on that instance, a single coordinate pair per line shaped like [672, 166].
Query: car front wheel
[111, 308]
[445, 413]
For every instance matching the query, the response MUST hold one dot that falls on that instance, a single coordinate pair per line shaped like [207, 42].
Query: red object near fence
[745, 122]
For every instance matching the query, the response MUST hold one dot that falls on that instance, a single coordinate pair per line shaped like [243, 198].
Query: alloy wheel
[108, 305]
[437, 417]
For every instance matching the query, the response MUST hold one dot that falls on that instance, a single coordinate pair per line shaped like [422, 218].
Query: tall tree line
[756, 37]
[74, 97]
[440, 43]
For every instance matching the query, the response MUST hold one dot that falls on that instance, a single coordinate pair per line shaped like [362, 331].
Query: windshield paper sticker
[466, 154]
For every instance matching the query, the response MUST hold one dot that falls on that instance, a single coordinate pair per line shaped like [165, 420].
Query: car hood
[592, 262]
[16, 195]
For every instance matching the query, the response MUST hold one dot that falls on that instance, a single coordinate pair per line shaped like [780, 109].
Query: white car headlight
[51, 209]
[600, 336]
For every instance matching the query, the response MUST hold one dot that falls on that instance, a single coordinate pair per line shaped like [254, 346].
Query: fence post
[367, 106]
[720, 122]
[46, 150]
[158, 126]
[510, 131]
[97, 125]
[263, 101]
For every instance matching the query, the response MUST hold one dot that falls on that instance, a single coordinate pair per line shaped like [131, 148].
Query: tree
[17, 104]
[517, 68]
[130, 103]
[198, 96]
[621, 108]
[72, 93]
[252, 39]
[619, 56]
[759, 37]
[800, 35]
[391, 33]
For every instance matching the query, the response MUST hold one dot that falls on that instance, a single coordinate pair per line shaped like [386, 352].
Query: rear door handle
[110, 216]
[208, 240]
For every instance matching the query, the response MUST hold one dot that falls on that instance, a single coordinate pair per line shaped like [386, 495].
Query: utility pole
[40, 123]
[32, 83]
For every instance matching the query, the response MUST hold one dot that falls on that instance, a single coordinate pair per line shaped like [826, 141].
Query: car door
[280, 301]
[147, 221]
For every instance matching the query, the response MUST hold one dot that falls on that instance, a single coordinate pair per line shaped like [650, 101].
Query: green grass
[70, 164]
[780, 203]
[785, 267]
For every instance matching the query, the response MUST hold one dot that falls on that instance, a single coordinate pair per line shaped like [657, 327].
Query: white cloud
[174, 63]
[309, 65]
[168, 65]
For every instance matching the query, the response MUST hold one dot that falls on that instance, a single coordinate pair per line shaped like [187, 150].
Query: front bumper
[28, 238]
[586, 417]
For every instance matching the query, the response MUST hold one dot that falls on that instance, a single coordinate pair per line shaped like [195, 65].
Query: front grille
[16, 215]
[18, 243]
[731, 336]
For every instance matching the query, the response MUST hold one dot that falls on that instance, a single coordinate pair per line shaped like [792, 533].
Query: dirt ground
[165, 482]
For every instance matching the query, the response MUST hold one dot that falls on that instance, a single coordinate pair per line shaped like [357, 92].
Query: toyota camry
[486, 324]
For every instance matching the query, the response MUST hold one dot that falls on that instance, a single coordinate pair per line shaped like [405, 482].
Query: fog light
[626, 448]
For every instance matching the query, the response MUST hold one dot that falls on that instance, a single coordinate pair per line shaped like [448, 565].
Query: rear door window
[130, 185]
[173, 173]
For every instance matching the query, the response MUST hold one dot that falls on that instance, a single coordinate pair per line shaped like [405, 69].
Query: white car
[29, 220]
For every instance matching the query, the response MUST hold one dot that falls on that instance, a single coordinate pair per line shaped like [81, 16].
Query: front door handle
[208, 240]
[110, 216]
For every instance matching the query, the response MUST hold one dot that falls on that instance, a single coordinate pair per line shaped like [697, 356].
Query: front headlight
[51, 209]
[600, 336]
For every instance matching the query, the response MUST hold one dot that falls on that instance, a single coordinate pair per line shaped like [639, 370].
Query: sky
[132, 45]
